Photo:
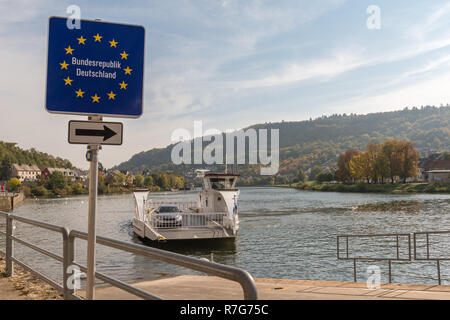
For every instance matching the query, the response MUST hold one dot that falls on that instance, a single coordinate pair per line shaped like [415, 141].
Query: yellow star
[68, 81]
[113, 43]
[127, 70]
[124, 55]
[95, 98]
[64, 65]
[69, 50]
[79, 93]
[111, 95]
[98, 38]
[123, 85]
[81, 40]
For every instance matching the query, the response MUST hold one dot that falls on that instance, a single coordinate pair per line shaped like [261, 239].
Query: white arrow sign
[95, 132]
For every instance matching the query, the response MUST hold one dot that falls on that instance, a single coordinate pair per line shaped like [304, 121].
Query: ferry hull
[144, 231]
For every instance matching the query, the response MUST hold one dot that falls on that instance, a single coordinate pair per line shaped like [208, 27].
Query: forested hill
[10, 153]
[304, 144]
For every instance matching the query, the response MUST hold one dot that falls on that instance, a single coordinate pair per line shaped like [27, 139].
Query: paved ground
[213, 288]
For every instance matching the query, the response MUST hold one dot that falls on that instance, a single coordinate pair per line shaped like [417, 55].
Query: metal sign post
[92, 156]
[98, 71]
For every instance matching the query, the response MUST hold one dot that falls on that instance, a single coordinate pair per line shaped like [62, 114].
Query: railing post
[390, 271]
[68, 257]
[9, 246]
[438, 271]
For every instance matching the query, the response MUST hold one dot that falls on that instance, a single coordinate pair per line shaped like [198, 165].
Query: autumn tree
[390, 151]
[343, 173]
[409, 160]
[360, 167]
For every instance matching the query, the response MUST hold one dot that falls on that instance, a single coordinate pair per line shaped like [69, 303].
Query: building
[434, 162]
[438, 176]
[25, 172]
[68, 173]
[80, 175]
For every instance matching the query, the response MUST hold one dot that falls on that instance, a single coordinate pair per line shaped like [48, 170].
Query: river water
[284, 233]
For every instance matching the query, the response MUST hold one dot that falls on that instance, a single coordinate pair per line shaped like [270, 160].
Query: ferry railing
[390, 259]
[186, 220]
[180, 205]
[427, 235]
[68, 260]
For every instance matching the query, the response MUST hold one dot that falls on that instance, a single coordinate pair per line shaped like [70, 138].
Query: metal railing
[68, 259]
[186, 220]
[427, 235]
[396, 258]
[181, 205]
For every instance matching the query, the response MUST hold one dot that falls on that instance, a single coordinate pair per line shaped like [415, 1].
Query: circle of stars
[80, 93]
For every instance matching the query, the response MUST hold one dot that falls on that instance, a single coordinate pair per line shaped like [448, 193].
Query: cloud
[325, 69]
[433, 22]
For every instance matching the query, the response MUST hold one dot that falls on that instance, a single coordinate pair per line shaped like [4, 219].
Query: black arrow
[106, 133]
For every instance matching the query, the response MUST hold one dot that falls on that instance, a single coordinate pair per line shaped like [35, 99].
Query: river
[284, 233]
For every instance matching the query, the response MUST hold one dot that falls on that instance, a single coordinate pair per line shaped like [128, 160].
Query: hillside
[10, 153]
[304, 144]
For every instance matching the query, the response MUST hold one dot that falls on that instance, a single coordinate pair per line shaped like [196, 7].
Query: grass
[373, 188]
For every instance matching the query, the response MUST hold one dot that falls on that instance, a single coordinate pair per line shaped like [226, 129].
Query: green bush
[39, 191]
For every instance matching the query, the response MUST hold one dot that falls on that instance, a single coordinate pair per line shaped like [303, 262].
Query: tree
[324, 177]
[409, 160]
[360, 167]
[343, 173]
[57, 181]
[110, 179]
[13, 184]
[138, 180]
[390, 152]
[164, 181]
[314, 172]
[5, 169]
[148, 181]
[101, 168]
[121, 178]
[381, 165]
[301, 176]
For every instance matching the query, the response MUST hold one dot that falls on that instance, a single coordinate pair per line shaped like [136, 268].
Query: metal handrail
[231, 273]
[428, 258]
[9, 253]
[68, 259]
[397, 258]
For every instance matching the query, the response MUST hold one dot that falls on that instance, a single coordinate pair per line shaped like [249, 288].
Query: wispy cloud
[433, 21]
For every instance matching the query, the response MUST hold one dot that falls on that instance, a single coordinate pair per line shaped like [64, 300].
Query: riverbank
[8, 203]
[24, 285]
[372, 188]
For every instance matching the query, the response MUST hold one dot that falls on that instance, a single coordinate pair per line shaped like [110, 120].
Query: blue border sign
[95, 70]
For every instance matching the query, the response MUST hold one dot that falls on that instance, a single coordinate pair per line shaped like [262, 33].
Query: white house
[438, 176]
[25, 172]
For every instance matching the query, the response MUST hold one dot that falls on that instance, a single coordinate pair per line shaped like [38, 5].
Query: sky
[234, 63]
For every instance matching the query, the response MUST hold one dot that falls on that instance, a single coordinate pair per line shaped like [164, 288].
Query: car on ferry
[168, 216]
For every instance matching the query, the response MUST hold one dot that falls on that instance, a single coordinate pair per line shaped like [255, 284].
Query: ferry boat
[213, 216]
